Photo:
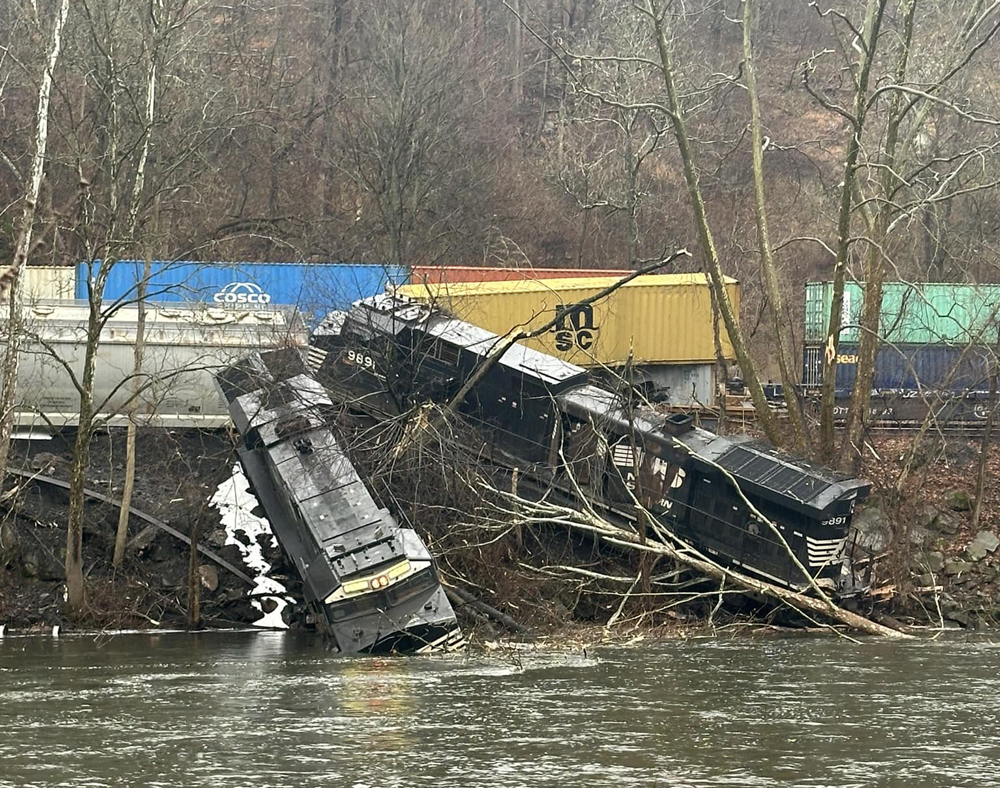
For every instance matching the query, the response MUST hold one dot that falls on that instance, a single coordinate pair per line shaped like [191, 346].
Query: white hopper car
[185, 345]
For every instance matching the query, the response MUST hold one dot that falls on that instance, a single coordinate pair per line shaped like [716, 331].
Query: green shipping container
[922, 313]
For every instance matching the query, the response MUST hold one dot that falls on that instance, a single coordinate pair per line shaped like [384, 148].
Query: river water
[273, 709]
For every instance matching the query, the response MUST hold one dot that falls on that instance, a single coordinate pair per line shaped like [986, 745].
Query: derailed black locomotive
[545, 417]
[372, 583]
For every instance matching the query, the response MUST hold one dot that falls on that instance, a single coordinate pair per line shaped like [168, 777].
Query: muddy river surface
[270, 709]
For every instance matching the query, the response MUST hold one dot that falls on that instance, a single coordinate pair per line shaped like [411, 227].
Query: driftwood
[462, 598]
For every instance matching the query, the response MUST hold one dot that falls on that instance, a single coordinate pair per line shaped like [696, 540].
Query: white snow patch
[235, 503]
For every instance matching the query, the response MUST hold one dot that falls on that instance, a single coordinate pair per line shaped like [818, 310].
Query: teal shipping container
[921, 313]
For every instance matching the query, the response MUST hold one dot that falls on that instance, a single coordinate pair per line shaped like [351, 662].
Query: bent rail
[147, 518]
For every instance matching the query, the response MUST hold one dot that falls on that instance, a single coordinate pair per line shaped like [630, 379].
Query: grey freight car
[184, 345]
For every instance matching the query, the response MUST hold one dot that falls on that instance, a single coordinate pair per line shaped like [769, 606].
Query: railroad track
[94, 495]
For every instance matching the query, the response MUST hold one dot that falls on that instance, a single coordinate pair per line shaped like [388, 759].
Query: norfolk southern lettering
[567, 435]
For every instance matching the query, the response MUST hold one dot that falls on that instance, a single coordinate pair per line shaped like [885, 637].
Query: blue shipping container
[314, 288]
[906, 368]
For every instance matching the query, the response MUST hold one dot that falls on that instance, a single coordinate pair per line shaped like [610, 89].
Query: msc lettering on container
[575, 327]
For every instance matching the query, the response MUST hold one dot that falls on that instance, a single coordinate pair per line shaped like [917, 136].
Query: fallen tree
[523, 511]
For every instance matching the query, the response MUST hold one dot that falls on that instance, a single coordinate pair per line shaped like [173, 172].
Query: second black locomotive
[544, 416]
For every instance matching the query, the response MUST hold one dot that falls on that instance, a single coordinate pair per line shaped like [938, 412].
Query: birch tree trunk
[121, 537]
[707, 242]
[867, 44]
[9, 279]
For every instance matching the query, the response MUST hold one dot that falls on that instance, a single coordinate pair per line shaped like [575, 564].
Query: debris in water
[235, 503]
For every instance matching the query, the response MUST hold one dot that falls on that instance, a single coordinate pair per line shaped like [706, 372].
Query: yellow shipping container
[662, 318]
[48, 281]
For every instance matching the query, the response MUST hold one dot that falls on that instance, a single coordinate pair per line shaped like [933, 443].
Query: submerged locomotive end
[372, 584]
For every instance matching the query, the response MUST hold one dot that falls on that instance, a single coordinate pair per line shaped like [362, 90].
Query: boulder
[926, 581]
[40, 565]
[927, 516]
[141, 541]
[958, 568]
[946, 524]
[960, 617]
[959, 501]
[217, 538]
[873, 531]
[932, 562]
[209, 577]
[8, 542]
[983, 545]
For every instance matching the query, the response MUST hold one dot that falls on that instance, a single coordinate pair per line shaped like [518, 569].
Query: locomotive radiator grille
[823, 552]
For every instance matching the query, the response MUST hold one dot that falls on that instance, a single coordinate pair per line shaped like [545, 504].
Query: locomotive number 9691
[359, 359]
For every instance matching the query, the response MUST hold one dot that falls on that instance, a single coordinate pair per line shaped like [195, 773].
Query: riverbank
[937, 568]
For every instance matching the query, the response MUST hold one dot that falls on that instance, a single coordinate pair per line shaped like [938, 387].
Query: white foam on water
[235, 503]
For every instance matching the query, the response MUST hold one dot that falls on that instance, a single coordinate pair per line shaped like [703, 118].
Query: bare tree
[9, 277]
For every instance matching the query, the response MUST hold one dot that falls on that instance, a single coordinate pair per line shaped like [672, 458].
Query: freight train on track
[371, 582]
[570, 437]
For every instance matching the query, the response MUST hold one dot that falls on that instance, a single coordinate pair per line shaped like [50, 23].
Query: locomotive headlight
[355, 586]
[399, 570]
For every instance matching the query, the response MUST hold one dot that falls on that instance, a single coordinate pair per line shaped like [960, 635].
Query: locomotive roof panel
[391, 315]
[333, 502]
[549, 369]
[773, 473]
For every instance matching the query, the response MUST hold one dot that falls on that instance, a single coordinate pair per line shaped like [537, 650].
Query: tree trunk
[768, 267]
[75, 591]
[857, 414]
[707, 242]
[872, 26]
[194, 579]
[8, 394]
[121, 537]
[984, 452]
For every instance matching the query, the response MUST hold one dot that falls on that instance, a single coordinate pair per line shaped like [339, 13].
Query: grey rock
[959, 501]
[932, 562]
[927, 516]
[46, 463]
[217, 538]
[231, 595]
[926, 580]
[946, 524]
[960, 617]
[917, 534]
[983, 545]
[141, 541]
[872, 530]
[8, 542]
[39, 565]
[209, 576]
[958, 568]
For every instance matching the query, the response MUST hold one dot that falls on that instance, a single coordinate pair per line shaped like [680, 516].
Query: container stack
[935, 341]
